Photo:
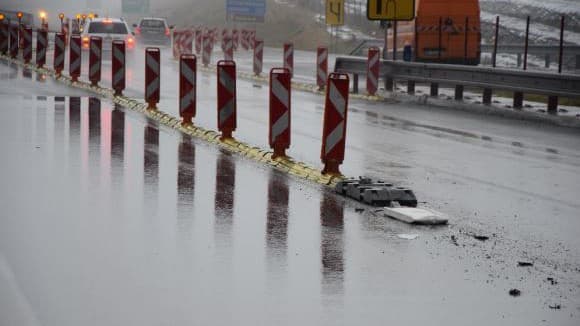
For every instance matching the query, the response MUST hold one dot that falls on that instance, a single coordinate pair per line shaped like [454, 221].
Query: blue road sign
[246, 10]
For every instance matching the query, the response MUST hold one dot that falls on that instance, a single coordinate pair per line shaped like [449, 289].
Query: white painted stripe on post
[280, 92]
[337, 100]
[280, 126]
[334, 137]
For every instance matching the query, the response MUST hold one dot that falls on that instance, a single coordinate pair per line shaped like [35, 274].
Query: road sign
[251, 11]
[135, 6]
[390, 9]
[335, 12]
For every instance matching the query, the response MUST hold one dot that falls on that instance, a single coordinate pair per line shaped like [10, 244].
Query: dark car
[153, 31]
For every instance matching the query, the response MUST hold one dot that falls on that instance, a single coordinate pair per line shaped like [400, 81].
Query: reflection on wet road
[109, 219]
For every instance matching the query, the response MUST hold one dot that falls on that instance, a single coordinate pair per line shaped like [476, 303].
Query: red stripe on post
[321, 66]
[118, 66]
[289, 57]
[95, 56]
[226, 93]
[373, 66]
[280, 99]
[152, 77]
[75, 60]
[187, 87]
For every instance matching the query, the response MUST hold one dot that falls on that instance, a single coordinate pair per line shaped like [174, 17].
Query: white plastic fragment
[413, 215]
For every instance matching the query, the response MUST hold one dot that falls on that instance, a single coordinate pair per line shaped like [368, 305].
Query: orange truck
[446, 31]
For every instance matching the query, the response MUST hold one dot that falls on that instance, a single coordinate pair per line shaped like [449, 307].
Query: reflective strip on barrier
[226, 73]
[335, 114]
[258, 56]
[95, 46]
[187, 86]
[118, 66]
[75, 57]
[280, 99]
[58, 62]
[289, 57]
[41, 45]
[152, 77]
[321, 66]
[373, 66]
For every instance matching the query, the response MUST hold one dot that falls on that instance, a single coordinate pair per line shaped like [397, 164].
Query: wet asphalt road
[109, 219]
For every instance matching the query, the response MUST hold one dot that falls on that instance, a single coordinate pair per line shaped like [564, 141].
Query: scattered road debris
[408, 236]
[525, 264]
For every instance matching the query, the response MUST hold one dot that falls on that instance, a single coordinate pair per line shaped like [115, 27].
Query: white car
[109, 29]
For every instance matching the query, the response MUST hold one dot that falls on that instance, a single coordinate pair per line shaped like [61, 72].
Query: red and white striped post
[198, 40]
[27, 44]
[75, 60]
[226, 98]
[95, 46]
[187, 87]
[58, 62]
[280, 94]
[118, 67]
[223, 38]
[236, 38]
[207, 49]
[334, 129]
[252, 39]
[321, 66]
[258, 56]
[4, 37]
[176, 42]
[13, 41]
[244, 40]
[152, 77]
[64, 28]
[228, 48]
[289, 57]
[373, 66]
[41, 44]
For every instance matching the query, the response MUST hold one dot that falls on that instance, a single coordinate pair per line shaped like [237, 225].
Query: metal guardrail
[532, 82]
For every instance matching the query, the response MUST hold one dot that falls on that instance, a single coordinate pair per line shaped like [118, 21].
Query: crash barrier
[4, 37]
[182, 42]
[27, 44]
[41, 45]
[226, 98]
[373, 66]
[187, 87]
[152, 77]
[321, 66]
[334, 128]
[376, 193]
[532, 82]
[280, 99]
[13, 41]
[75, 57]
[258, 56]
[118, 67]
[58, 61]
[289, 57]
[95, 46]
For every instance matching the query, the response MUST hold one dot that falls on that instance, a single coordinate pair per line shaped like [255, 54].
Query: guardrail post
[389, 84]
[552, 104]
[519, 59]
[458, 92]
[547, 61]
[355, 83]
[487, 96]
[518, 100]
[411, 86]
[434, 89]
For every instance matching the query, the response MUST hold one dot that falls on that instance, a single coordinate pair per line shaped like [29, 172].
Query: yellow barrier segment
[284, 164]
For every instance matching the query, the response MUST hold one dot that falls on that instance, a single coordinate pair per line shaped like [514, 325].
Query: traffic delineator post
[41, 45]
[226, 98]
[334, 128]
[207, 49]
[289, 57]
[244, 39]
[152, 77]
[27, 44]
[187, 88]
[373, 67]
[4, 37]
[228, 48]
[280, 104]
[258, 56]
[198, 40]
[58, 62]
[13, 36]
[118, 66]
[75, 57]
[321, 66]
[236, 38]
[95, 46]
